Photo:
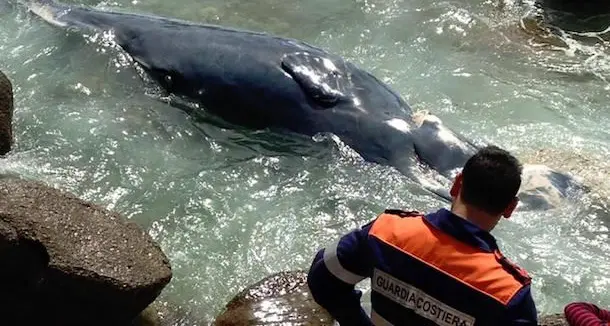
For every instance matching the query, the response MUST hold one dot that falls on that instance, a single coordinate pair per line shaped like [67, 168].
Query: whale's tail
[49, 10]
[73, 17]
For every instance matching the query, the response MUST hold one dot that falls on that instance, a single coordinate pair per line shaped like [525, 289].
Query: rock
[68, 262]
[576, 16]
[590, 168]
[546, 188]
[580, 9]
[6, 114]
[553, 320]
[281, 298]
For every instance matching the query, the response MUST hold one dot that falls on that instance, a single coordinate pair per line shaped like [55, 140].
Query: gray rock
[6, 114]
[68, 262]
[280, 299]
[553, 320]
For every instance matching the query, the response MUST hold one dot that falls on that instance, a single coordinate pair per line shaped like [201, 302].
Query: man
[443, 268]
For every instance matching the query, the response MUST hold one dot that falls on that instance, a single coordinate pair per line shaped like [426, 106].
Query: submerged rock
[590, 167]
[68, 262]
[6, 114]
[281, 298]
[546, 188]
[553, 320]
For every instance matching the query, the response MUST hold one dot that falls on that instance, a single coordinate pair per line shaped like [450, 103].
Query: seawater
[230, 207]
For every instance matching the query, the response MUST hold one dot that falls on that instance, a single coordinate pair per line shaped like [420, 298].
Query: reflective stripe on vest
[418, 301]
[331, 260]
[469, 265]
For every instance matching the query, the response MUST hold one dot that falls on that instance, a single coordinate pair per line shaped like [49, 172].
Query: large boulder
[68, 262]
[6, 114]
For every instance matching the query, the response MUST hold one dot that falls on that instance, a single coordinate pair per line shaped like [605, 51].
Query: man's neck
[474, 215]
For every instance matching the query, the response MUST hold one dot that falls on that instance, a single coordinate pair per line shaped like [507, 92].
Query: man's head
[489, 183]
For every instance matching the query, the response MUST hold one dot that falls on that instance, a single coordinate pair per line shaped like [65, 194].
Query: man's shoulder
[402, 213]
[391, 219]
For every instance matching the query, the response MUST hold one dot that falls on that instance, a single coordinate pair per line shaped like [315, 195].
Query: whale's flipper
[318, 76]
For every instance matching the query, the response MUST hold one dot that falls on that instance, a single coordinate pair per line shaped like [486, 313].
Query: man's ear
[457, 186]
[511, 207]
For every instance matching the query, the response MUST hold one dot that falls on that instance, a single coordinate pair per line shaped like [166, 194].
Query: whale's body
[258, 80]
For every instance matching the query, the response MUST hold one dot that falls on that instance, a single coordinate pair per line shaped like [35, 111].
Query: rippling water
[232, 206]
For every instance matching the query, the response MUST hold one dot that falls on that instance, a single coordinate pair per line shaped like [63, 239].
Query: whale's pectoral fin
[318, 76]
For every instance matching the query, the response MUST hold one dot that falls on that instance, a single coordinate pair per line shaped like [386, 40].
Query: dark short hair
[491, 179]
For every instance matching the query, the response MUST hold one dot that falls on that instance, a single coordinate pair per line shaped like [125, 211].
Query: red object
[586, 314]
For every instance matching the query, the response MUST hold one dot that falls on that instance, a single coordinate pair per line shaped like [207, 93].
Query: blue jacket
[437, 269]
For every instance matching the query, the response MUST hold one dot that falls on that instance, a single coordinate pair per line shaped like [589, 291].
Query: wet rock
[540, 32]
[545, 188]
[580, 9]
[6, 114]
[553, 320]
[589, 168]
[281, 298]
[68, 262]
[575, 16]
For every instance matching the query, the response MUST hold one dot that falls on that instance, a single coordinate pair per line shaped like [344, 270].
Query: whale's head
[439, 147]
[446, 151]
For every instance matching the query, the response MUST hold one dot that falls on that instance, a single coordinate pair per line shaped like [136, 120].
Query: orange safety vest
[438, 278]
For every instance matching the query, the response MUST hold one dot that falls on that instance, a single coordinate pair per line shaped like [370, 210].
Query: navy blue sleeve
[334, 273]
[522, 309]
